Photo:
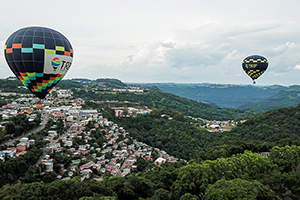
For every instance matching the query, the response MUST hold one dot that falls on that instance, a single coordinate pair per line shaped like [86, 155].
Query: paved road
[42, 156]
[39, 128]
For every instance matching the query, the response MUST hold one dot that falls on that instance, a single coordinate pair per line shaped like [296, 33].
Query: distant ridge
[283, 98]
[232, 96]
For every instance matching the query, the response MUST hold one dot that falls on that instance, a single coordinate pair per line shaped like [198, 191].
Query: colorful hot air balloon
[255, 66]
[40, 57]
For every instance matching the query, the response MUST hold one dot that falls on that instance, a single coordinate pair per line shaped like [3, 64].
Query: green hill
[225, 96]
[12, 85]
[283, 98]
[99, 83]
[185, 140]
[158, 99]
[270, 126]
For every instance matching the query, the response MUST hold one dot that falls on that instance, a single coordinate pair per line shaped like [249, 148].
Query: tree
[160, 194]
[188, 196]
[239, 189]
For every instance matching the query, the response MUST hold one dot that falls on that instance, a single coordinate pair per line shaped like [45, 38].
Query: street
[44, 119]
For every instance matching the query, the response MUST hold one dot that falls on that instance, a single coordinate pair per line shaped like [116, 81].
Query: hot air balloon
[255, 66]
[39, 57]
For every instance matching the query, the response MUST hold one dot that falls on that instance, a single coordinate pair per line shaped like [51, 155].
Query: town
[92, 143]
[117, 155]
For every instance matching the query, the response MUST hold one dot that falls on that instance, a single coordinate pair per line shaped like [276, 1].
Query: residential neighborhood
[116, 155]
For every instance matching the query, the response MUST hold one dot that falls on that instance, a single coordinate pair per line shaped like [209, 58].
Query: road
[32, 131]
[42, 156]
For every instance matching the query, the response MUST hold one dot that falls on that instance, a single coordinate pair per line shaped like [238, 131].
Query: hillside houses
[114, 157]
[20, 149]
[116, 154]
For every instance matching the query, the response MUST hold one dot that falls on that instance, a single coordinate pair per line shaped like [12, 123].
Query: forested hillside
[185, 140]
[241, 176]
[13, 85]
[225, 96]
[158, 99]
[270, 126]
[283, 98]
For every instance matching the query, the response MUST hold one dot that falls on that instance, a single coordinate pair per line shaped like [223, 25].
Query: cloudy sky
[181, 41]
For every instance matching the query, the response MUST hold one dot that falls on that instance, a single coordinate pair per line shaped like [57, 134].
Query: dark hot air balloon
[40, 57]
[255, 66]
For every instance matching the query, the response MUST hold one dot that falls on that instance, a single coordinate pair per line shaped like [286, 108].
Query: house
[49, 165]
[132, 161]
[21, 146]
[52, 134]
[20, 153]
[9, 153]
[110, 166]
[73, 168]
[148, 157]
[76, 162]
[24, 140]
[159, 161]
[74, 127]
[31, 142]
[14, 149]
[58, 115]
[87, 165]
[125, 172]
[68, 143]
[86, 173]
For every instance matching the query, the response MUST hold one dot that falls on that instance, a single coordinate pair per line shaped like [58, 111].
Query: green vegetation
[241, 176]
[283, 98]
[68, 84]
[21, 168]
[84, 83]
[176, 136]
[270, 126]
[184, 140]
[18, 125]
[12, 86]
[216, 172]
[158, 99]
[225, 96]
[220, 165]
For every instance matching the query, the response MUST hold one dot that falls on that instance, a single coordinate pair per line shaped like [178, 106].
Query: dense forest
[284, 98]
[241, 176]
[270, 126]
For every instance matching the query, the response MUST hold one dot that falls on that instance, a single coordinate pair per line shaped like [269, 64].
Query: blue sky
[181, 41]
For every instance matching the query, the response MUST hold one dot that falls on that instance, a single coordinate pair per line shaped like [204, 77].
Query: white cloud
[233, 55]
[297, 67]
[179, 41]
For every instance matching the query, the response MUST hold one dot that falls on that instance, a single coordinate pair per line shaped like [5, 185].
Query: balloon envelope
[255, 66]
[40, 57]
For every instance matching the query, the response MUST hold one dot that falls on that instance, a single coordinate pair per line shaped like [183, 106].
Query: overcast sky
[181, 41]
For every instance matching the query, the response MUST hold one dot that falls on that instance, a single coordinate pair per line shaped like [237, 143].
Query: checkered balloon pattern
[254, 66]
[40, 57]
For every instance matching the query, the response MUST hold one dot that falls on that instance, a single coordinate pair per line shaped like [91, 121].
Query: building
[21, 146]
[159, 161]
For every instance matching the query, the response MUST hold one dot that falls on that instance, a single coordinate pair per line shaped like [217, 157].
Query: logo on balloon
[55, 63]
